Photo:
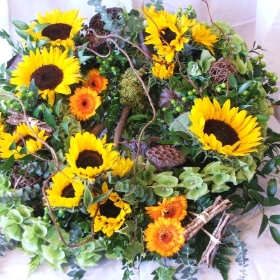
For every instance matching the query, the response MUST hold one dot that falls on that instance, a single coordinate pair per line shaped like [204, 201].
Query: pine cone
[165, 157]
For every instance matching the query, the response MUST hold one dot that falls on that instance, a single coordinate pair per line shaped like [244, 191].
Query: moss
[132, 92]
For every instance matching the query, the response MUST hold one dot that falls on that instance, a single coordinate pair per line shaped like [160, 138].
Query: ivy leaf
[132, 250]
[275, 234]
[275, 219]
[263, 225]
[271, 187]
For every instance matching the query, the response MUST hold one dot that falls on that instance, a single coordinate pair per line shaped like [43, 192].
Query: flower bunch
[136, 136]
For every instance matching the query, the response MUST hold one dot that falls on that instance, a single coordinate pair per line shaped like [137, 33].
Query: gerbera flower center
[109, 210]
[165, 236]
[21, 142]
[57, 31]
[89, 158]
[167, 35]
[68, 192]
[168, 212]
[223, 132]
[47, 77]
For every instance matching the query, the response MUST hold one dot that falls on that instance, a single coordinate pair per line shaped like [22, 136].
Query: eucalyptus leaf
[232, 80]
[101, 197]
[20, 24]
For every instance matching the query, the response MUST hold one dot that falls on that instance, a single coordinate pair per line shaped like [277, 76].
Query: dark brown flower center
[89, 158]
[167, 35]
[68, 192]
[47, 77]
[165, 236]
[109, 210]
[57, 31]
[223, 132]
[21, 142]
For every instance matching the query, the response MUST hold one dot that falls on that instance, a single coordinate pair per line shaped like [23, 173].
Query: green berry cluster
[111, 65]
[25, 96]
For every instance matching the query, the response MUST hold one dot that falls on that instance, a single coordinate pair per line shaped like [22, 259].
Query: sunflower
[61, 27]
[174, 208]
[89, 156]
[227, 131]
[84, 102]
[111, 213]
[164, 236]
[161, 69]
[202, 35]
[22, 136]
[95, 81]
[51, 70]
[167, 31]
[65, 192]
[122, 166]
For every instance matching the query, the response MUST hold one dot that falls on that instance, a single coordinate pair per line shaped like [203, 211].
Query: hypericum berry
[190, 93]
[261, 56]
[173, 101]
[245, 92]
[262, 64]
[218, 89]
[223, 85]
[184, 99]
[275, 89]
[178, 109]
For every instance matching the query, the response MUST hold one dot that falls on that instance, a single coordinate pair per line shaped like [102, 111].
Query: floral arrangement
[135, 136]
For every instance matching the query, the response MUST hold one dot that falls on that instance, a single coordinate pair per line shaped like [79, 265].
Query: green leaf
[40, 26]
[8, 163]
[271, 187]
[20, 24]
[34, 263]
[269, 166]
[181, 123]
[271, 201]
[250, 206]
[48, 117]
[259, 198]
[33, 87]
[263, 225]
[87, 199]
[275, 234]
[232, 80]
[101, 197]
[275, 219]
[244, 86]
[262, 118]
[138, 117]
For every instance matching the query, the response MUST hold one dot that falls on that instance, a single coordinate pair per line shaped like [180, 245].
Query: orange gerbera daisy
[174, 208]
[95, 81]
[84, 102]
[164, 236]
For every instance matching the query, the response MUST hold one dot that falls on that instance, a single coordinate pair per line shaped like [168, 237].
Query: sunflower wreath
[138, 137]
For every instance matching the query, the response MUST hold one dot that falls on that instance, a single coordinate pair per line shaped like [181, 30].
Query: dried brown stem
[209, 213]
[98, 128]
[122, 122]
[213, 245]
